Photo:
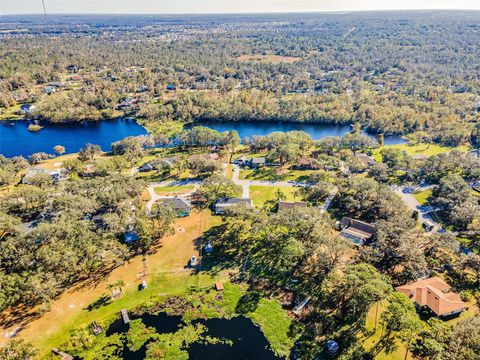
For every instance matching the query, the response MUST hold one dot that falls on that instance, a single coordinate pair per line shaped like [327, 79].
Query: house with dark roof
[146, 167]
[182, 206]
[223, 204]
[436, 295]
[285, 205]
[241, 160]
[256, 162]
[72, 68]
[357, 231]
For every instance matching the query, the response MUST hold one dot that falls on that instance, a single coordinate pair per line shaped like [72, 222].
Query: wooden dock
[125, 317]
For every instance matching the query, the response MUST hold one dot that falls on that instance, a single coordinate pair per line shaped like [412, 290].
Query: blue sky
[223, 6]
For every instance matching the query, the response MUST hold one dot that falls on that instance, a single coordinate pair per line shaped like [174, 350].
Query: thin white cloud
[223, 6]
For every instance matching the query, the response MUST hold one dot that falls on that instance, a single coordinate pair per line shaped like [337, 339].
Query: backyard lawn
[372, 340]
[261, 194]
[275, 174]
[422, 196]
[421, 149]
[173, 190]
[90, 301]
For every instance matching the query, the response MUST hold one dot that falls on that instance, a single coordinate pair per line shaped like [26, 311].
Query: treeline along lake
[15, 139]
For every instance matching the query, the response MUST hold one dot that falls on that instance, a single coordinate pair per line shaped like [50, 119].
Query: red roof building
[435, 294]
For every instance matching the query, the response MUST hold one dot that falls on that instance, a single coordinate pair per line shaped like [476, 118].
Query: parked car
[193, 261]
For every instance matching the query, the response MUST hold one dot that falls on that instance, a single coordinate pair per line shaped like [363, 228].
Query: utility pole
[44, 10]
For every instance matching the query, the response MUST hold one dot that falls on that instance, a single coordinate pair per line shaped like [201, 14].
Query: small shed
[219, 286]
[96, 328]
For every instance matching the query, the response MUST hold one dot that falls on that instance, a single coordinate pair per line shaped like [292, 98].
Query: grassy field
[167, 275]
[155, 176]
[276, 174]
[261, 194]
[370, 341]
[173, 190]
[422, 196]
[229, 171]
[420, 149]
[275, 325]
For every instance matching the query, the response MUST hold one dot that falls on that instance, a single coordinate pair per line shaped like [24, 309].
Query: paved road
[245, 184]
[154, 197]
[413, 204]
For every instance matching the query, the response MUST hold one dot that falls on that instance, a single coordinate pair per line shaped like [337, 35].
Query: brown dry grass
[169, 258]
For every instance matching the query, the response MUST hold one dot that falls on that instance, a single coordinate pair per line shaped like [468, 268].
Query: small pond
[247, 129]
[15, 139]
[244, 340]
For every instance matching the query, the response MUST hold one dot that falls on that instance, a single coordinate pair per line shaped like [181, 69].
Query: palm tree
[111, 287]
[119, 284]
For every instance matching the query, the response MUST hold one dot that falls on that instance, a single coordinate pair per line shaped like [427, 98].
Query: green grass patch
[272, 174]
[370, 341]
[181, 189]
[422, 196]
[420, 149]
[275, 325]
[203, 302]
[261, 194]
[10, 113]
[104, 310]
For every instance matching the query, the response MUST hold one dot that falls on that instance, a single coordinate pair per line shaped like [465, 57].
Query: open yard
[421, 149]
[261, 194]
[371, 341]
[90, 300]
[173, 190]
[422, 196]
[168, 274]
[275, 174]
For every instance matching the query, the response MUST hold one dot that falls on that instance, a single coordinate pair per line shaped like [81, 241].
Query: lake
[17, 140]
[246, 341]
[246, 129]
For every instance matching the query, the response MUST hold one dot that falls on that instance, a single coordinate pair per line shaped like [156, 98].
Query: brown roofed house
[307, 164]
[355, 230]
[284, 205]
[435, 294]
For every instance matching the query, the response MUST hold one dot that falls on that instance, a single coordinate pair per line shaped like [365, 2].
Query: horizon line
[248, 13]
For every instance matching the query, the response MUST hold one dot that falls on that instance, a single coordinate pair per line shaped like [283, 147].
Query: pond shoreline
[205, 324]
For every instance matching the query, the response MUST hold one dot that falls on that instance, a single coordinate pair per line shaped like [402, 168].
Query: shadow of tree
[216, 261]
[103, 300]
[248, 302]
